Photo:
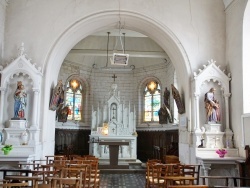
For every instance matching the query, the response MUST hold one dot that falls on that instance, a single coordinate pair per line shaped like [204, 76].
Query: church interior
[126, 83]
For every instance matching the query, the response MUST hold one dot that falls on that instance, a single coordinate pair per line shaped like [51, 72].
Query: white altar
[113, 122]
[22, 133]
[211, 136]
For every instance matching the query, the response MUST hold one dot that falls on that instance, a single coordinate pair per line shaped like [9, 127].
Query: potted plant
[221, 152]
[6, 149]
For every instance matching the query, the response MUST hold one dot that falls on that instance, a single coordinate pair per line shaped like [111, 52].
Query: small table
[114, 153]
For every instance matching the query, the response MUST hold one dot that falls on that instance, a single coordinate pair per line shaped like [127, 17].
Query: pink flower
[221, 151]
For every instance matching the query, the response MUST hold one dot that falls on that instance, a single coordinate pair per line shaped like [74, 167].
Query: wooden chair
[197, 173]
[173, 170]
[158, 173]
[54, 157]
[187, 170]
[63, 182]
[149, 172]
[95, 174]
[92, 175]
[70, 177]
[171, 159]
[154, 160]
[86, 174]
[44, 174]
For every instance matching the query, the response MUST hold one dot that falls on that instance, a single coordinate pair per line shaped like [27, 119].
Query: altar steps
[132, 168]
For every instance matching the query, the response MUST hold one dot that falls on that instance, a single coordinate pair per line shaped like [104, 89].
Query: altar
[212, 131]
[114, 153]
[113, 131]
[19, 119]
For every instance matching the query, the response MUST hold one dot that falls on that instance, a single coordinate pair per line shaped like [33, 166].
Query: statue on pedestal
[57, 96]
[20, 97]
[212, 107]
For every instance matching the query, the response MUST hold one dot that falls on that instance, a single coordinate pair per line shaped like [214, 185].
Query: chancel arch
[101, 21]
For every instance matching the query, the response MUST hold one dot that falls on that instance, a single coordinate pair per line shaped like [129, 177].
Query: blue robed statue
[20, 97]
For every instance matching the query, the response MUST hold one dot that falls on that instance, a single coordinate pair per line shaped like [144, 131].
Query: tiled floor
[122, 180]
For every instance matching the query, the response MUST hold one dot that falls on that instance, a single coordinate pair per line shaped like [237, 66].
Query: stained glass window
[74, 101]
[152, 101]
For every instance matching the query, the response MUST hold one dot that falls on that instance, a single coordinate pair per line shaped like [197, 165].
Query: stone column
[197, 117]
[1, 106]
[228, 131]
[226, 96]
[35, 108]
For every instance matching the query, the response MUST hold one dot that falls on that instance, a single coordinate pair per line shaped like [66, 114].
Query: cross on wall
[114, 76]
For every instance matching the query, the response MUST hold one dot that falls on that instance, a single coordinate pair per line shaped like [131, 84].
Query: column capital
[226, 95]
[36, 90]
[196, 94]
[2, 89]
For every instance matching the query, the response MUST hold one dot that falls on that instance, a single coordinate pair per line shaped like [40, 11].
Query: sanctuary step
[132, 167]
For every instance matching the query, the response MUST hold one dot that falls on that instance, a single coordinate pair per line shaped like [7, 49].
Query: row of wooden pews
[160, 174]
[55, 171]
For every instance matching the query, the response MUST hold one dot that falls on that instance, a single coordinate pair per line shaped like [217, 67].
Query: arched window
[152, 101]
[74, 100]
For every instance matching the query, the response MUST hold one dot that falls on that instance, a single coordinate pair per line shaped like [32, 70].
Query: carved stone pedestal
[213, 135]
[25, 140]
[19, 124]
[214, 140]
[213, 127]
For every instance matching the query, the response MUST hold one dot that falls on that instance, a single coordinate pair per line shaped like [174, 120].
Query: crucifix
[114, 76]
[114, 109]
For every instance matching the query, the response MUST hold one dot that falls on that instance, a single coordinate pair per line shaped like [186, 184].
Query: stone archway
[101, 21]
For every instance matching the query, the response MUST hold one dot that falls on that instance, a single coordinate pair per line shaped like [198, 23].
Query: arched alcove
[102, 21]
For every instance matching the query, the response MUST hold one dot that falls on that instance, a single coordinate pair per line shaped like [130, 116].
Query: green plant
[7, 148]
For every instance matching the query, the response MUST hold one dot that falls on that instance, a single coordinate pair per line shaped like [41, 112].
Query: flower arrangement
[6, 149]
[221, 152]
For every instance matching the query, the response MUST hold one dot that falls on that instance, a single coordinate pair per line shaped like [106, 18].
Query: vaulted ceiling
[92, 50]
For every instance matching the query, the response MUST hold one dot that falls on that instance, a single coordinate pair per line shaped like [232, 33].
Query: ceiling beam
[131, 53]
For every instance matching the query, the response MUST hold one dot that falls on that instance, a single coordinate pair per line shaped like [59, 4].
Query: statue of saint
[212, 107]
[164, 113]
[20, 97]
[57, 97]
